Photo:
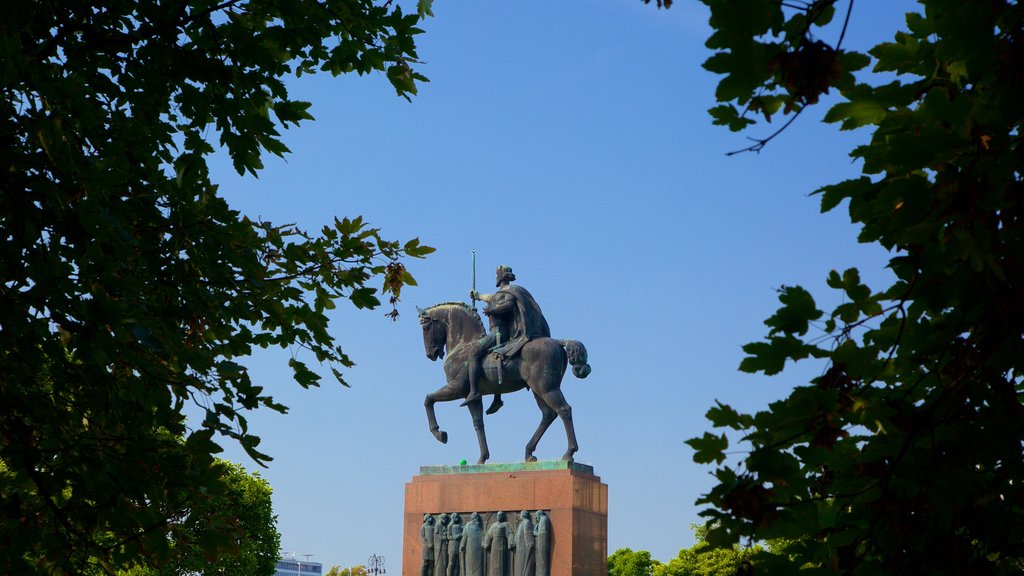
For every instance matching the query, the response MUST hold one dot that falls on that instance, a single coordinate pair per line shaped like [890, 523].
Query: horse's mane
[470, 310]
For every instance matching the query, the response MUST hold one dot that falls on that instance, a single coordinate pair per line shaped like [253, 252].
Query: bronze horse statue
[539, 367]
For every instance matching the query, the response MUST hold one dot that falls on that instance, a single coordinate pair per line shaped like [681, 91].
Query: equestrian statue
[518, 353]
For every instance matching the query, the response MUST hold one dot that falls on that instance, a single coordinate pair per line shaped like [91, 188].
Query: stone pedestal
[574, 498]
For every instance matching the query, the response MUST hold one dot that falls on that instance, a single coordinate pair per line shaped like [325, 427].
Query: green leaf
[727, 115]
[723, 415]
[364, 298]
[833, 194]
[709, 448]
[797, 312]
[303, 375]
[770, 357]
[857, 113]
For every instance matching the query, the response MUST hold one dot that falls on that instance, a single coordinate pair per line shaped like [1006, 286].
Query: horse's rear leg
[476, 410]
[428, 403]
[547, 417]
[557, 402]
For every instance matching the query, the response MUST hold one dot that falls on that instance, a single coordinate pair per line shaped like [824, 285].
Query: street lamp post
[375, 565]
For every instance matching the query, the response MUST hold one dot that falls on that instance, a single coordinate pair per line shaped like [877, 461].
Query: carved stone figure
[441, 546]
[454, 535]
[542, 534]
[523, 562]
[496, 543]
[427, 539]
[471, 547]
[530, 359]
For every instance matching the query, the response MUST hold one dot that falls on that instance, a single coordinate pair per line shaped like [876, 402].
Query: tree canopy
[700, 559]
[358, 570]
[128, 286]
[905, 454]
[240, 518]
[626, 562]
[244, 512]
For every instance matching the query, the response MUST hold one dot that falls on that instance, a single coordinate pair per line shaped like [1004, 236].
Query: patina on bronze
[528, 358]
[515, 318]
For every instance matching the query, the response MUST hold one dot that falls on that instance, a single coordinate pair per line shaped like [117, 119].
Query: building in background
[293, 567]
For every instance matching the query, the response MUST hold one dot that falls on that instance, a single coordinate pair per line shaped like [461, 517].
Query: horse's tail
[577, 353]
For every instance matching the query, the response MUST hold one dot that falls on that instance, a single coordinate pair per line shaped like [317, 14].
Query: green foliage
[244, 511]
[241, 515]
[904, 455]
[358, 570]
[128, 286]
[701, 559]
[625, 562]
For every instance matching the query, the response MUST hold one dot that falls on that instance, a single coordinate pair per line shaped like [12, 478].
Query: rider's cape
[527, 321]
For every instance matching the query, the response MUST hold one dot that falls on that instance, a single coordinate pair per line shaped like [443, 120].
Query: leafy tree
[243, 513]
[358, 570]
[904, 455]
[702, 559]
[128, 286]
[626, 562]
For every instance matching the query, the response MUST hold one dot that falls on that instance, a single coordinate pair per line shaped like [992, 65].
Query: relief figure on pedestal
[427, 540]
[542, 533]
[523, 561]
[496, 544]
[454, 535]
[471, 547]
[441, 546]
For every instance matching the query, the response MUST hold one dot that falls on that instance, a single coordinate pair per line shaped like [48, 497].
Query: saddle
[505, 353]
[510, 349]
[496, 359]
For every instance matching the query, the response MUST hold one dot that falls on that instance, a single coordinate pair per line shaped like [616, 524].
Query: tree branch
[760, 143]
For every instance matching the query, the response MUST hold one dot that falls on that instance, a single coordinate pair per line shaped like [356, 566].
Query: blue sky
[570, 141]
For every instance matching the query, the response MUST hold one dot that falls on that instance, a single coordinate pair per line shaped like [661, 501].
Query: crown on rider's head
[505, 273]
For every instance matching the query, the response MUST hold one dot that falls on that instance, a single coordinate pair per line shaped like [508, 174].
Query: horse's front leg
[428, 403]
[476, 410]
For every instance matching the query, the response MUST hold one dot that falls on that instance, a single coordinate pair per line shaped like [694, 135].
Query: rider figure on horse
[515, 319]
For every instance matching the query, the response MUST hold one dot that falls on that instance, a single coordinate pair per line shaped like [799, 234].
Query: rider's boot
[474, 378]
[495, 405]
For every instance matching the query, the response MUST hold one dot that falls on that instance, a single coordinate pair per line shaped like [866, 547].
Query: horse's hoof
[482, 460]
[567, 457]
[441, 436]
[531, 458]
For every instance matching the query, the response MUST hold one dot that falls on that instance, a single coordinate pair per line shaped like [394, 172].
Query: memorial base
[574, 498]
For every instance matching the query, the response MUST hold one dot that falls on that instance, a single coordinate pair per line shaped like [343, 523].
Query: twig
[760, 143]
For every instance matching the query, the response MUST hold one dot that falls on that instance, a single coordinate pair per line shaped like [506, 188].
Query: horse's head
[434, 333]
[447, 325]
